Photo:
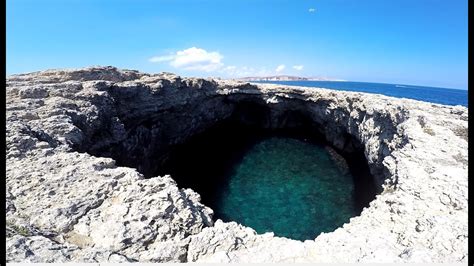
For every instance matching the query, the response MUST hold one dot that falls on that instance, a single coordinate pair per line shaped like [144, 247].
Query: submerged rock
[67, 200]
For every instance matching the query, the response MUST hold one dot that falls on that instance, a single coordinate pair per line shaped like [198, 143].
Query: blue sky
[422, 42]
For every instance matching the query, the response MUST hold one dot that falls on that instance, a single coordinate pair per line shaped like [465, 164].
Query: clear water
[287, 186]
[285, 181]
[421, 93]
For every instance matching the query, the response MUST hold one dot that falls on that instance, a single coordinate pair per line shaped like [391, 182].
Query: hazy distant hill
[285, 77]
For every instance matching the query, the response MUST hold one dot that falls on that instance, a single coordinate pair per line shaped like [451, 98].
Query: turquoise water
[287, 186]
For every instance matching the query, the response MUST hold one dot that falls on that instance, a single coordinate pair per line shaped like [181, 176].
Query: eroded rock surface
[67, 200]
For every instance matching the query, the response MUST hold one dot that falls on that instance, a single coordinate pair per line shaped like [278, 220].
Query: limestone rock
[36, 249]
[67, 200]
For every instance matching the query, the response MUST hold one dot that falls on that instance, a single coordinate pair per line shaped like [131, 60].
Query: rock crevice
[63, 126]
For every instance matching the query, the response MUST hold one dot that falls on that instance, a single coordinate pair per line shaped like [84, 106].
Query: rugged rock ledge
[65, 204]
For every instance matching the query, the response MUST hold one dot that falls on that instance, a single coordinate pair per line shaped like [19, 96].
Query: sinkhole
[288, 181]
[273, 173]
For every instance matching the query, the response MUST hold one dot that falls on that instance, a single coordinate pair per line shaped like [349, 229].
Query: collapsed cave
[201, 151]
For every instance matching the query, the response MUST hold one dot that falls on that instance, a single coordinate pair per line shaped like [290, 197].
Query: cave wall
[144, 121]
[106, 213]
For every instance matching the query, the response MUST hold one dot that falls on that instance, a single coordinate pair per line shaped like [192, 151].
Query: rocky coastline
[80, 184]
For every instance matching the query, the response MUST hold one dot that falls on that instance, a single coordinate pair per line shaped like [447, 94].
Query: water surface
[290, 187]
[428, 94]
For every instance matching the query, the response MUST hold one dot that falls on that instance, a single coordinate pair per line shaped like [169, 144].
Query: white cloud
[230, 68]
[192, 59]
[280, 68]
[298, 67]
[311, 10]
[243, 71]
[263, 72]
[198, 59]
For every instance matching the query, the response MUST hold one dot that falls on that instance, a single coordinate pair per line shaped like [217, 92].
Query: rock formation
[68, 200]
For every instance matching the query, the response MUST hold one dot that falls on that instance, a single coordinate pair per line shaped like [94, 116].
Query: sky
[422, 42]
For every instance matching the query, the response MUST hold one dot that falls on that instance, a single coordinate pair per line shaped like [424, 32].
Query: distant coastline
[287, 78]
[438, 95]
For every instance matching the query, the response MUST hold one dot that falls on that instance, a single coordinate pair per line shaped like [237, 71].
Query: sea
[427, 94]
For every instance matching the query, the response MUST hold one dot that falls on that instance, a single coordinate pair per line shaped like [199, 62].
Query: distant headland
[287, 78]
